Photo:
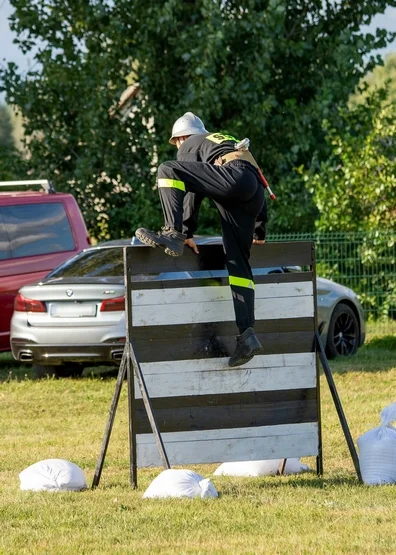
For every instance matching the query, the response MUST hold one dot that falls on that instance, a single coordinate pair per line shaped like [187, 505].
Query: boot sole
[171, 252]
[146, 240]
[246, 359]
[150, 243]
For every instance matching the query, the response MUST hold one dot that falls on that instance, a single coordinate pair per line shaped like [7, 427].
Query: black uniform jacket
[207, 148]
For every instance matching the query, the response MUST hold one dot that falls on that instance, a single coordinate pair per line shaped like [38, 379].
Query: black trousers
[238, 194]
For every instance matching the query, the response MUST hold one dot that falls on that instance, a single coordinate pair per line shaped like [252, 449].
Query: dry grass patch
[296, 514]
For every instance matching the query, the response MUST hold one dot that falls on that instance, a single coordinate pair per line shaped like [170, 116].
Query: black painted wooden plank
[296, 277]
[209, 330]
[298, 253]
[195, 348]
[237, 398]
[194, 341]
[146, 260]
[208, 412]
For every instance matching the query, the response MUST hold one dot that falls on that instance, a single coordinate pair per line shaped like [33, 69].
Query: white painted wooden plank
[220, 311]
[290, 307]
[236, 380]
[219, 451]
[278, 430]
[209, 364]
[212, 293]
[238, 444]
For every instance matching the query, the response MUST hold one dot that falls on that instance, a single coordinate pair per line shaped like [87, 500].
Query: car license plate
[72, 310]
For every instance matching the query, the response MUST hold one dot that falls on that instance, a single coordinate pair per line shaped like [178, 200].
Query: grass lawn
[293, 514]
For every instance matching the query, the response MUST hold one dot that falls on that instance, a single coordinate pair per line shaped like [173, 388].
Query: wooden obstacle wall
[183, 332]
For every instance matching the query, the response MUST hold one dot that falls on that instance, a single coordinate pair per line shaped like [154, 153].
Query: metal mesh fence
[363, 261]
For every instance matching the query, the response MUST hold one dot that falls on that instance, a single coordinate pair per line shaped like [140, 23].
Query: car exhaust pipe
[25, 356]
[116, 355]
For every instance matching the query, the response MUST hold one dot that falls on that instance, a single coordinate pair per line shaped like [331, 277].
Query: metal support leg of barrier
[148, 407]
[128, 360]
[110, 421]
[338, 406]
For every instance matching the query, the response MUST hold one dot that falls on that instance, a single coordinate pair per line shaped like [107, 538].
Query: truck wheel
[343, 334]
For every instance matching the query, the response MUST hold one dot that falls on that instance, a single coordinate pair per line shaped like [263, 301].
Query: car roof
[9, 194]
[22, 195]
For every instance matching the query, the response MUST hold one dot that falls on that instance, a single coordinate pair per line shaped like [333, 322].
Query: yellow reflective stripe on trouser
[171, 183]
[241, 282]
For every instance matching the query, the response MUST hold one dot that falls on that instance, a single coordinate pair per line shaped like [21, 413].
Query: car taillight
[22, 304]
[112, 305]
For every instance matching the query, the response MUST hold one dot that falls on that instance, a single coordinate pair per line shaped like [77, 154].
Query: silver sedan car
[74, 318]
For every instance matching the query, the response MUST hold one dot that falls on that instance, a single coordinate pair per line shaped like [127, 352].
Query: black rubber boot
[247, 346]
[169, 239]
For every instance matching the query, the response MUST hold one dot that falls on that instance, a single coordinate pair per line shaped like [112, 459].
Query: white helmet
[189, 124]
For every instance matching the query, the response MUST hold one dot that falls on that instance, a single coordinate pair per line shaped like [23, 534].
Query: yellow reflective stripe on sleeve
[171, 183]
[241, 282]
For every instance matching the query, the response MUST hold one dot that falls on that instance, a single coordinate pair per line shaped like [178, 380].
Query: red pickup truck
[38, 231]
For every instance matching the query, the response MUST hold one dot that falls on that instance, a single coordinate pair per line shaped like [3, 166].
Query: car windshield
[93, 263]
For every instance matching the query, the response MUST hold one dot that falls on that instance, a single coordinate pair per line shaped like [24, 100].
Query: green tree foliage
[355, 191]
[6, 136]
[381, 76]
[355, 188]
[11, 162]
[271, 70]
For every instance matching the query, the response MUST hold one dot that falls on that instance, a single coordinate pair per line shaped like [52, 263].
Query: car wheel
[343, 334]
[62, 371]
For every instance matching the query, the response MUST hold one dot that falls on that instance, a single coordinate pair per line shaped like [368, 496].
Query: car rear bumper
[59, 354]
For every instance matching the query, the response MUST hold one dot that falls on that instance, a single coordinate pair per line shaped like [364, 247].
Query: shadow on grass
[306, 480]
[313, 481]
[12, 370]
[378, 355]
[385, 342]
[102, 372]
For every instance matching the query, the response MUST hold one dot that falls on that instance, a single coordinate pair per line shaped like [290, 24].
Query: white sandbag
[260, 468]
[180, 483]
[377, 450]
[53, 475]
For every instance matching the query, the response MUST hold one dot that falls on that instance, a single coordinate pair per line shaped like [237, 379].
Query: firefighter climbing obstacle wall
[183, 333]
